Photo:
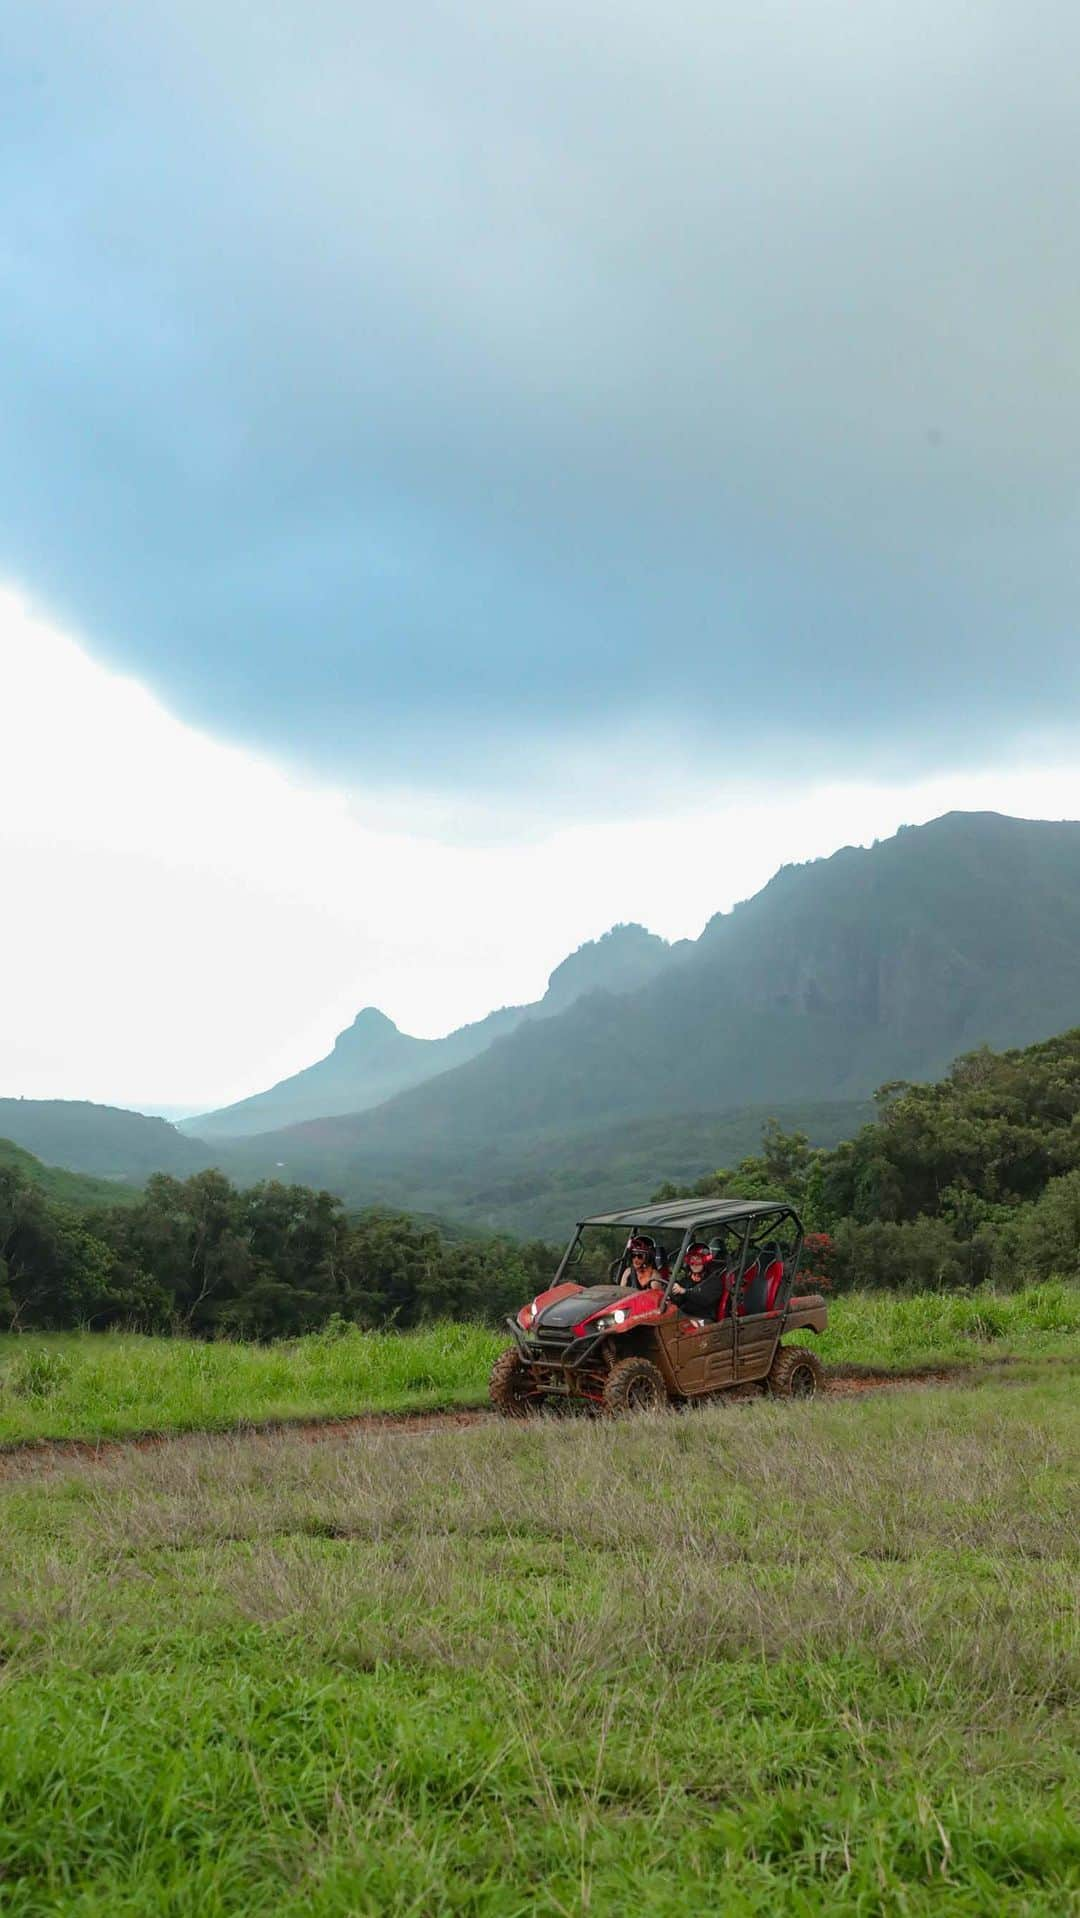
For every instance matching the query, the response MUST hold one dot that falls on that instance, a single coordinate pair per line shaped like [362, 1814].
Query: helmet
[696, 1251]
[641, 1243]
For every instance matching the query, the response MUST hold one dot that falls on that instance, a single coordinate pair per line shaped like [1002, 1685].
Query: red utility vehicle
[621, 1347]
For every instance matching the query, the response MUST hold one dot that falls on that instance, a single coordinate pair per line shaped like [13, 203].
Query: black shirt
[700, 1300]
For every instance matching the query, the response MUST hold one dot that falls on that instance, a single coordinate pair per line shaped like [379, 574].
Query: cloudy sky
[456, 460]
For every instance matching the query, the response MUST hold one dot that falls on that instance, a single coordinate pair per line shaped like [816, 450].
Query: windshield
[602, 1255]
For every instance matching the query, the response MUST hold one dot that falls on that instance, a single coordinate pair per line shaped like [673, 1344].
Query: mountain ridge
[372, 1059]
[841, 974]
[878, 963]
[102, 1141]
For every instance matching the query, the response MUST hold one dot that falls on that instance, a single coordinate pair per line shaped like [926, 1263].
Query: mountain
[74, 1189]
[647, 1062]
[875, 964]
[625, 959]
[104, 1141]
[532, 1184]
[372, 1060]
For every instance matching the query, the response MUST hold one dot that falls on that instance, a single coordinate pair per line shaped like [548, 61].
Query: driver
[641, 1267]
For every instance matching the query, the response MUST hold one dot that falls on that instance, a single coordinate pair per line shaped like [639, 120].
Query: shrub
[38, 1373]
[914, 1256]
[1047, 1237]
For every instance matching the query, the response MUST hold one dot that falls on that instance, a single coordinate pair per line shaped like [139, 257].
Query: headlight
[609, 1319]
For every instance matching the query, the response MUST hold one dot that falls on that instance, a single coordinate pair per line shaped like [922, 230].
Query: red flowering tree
[817, 1260]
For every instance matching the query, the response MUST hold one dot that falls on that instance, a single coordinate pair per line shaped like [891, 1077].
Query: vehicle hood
[566, 1308]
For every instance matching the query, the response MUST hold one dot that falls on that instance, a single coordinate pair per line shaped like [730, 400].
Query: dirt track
[19, 1454]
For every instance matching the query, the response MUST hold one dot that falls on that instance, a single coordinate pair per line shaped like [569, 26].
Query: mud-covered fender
[807, 1314]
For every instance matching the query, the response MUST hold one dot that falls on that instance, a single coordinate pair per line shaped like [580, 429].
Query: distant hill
[533, 1185]
[372, 1060]
[873, 965]
[646, 1062]
[74, 1189]
[101, 1140]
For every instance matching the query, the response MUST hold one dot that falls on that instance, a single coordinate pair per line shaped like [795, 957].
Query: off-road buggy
[618, 1348]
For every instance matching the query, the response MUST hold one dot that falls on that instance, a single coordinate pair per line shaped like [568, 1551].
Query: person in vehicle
[704, 1285]
[641, 1267]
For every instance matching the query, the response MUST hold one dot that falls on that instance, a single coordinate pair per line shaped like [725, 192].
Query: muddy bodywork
[807, 1314]
[570, 1337]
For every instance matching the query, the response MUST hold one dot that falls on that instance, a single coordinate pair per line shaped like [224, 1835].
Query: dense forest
[974, 1179]
[207, 1257]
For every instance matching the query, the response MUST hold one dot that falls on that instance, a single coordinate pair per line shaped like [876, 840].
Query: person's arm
[702, 1299]
[686, 1298]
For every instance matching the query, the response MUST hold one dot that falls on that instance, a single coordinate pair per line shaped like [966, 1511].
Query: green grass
[103, 1385]
[765, 1659]
[892, 1330]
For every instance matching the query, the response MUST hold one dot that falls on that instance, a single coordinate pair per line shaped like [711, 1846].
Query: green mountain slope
[74, 1189]
[102, 1140]
[840, 975]
[533, 1185]
[372, 1060]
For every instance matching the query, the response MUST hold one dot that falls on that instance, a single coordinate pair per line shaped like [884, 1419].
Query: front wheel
[634, 1385]
[796, 1374]
[511, 1387]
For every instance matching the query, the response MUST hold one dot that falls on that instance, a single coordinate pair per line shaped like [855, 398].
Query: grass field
[765, 1659]
[103, 1385]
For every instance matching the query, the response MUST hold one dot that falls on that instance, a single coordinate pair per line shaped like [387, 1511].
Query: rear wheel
[796, 1374]
[634, 1385]
[512, 1388]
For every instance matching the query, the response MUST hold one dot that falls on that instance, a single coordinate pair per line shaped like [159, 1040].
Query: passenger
[706, 1281]
[641, 1267]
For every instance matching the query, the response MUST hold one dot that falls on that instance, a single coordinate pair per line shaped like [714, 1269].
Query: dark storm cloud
[385, 382]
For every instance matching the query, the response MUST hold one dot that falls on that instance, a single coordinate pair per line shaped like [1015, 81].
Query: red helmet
[642, 1244]
[697, 1251]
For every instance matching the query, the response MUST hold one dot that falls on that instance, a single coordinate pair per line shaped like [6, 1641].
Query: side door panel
[704, 1355]
[757, 1343]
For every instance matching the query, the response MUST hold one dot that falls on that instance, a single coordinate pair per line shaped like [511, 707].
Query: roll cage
[750, 1223]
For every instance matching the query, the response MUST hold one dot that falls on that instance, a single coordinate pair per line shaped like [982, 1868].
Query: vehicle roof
[685, 1212]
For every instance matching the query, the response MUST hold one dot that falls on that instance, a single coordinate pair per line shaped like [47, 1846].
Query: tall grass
[893, 1329]
[103, 1385]
[778, 1659]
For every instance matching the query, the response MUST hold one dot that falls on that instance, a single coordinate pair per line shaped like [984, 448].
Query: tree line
[974, 1178]
[204, 1256]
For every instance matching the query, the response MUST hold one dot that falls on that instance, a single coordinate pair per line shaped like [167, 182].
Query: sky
[457, 459]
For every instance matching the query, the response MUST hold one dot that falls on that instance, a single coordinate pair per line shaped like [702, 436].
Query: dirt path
[19, 1455]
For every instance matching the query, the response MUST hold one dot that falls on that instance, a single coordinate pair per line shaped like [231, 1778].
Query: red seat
[774, 1279]
[748, 1302]
[723, 1303]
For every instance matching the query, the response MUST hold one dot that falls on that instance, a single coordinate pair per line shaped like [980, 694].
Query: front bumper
[556, 1349]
